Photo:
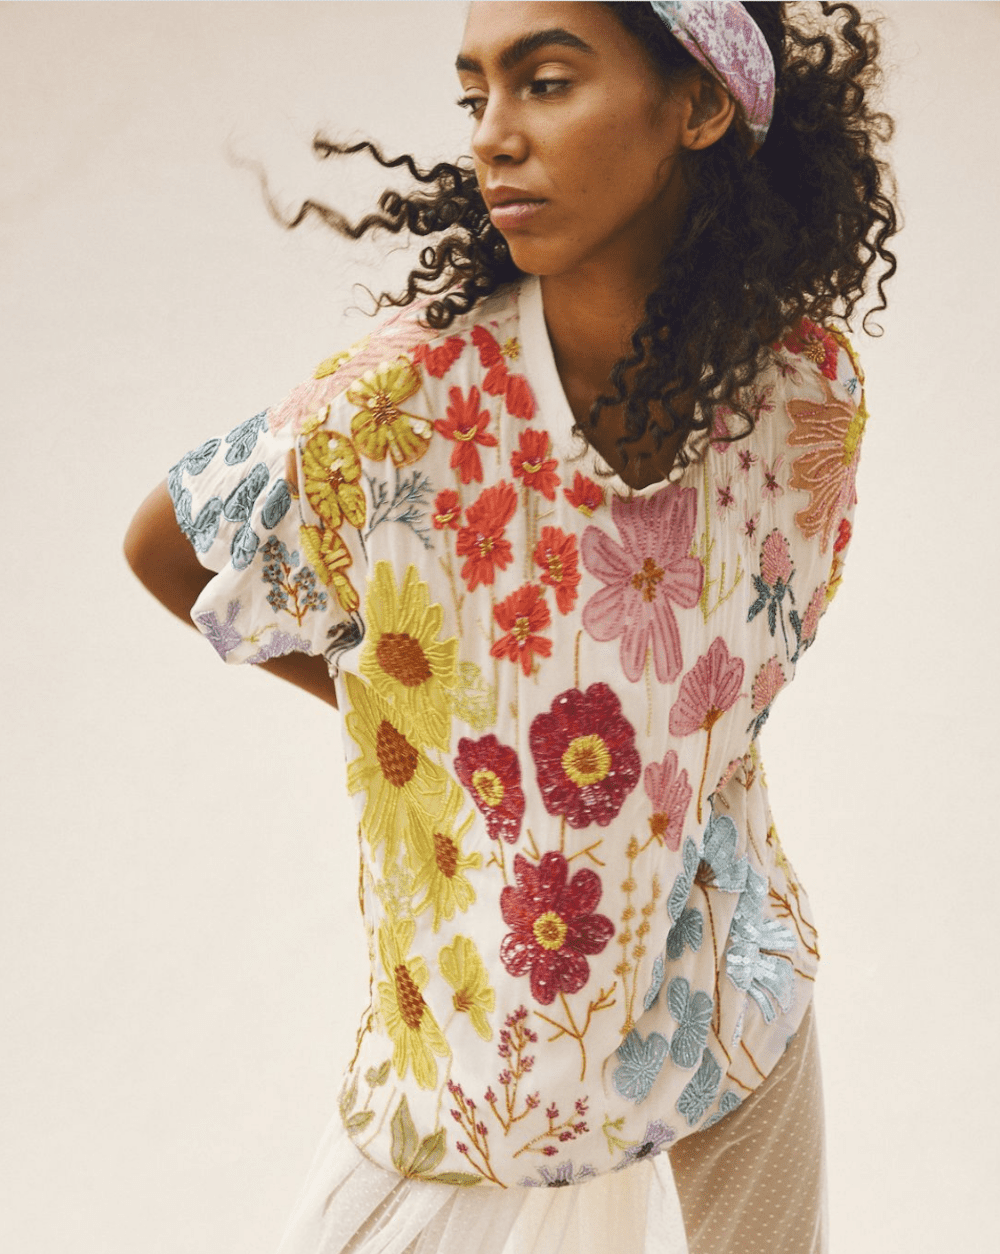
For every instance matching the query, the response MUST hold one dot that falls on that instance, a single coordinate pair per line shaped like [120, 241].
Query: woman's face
[574, 129]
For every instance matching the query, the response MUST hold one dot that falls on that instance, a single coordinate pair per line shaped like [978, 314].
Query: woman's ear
[710, 112]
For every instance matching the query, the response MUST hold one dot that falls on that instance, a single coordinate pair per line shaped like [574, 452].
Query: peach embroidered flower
[831, 430]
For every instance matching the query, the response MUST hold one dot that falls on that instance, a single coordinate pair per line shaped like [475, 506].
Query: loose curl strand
[800, 229]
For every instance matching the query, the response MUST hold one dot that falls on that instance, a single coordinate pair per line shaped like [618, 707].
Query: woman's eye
[474, 104]
[540, 86]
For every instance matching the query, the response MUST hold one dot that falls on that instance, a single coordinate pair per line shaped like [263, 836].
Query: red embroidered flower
[584, 495]
[816, 344]
[556, 554]
[585, 756]
[553, 925]
[447, 510]
[523, 616]
[492, 774]
[843, 536]
[499, 381]
[438, 361]
[481, 541]
[466, 424]
[532, 464]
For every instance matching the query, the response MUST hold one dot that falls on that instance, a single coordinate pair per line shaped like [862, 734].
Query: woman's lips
[515, 213]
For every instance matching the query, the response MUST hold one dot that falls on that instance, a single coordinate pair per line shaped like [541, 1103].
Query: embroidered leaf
[463, 1179]
[196, 461]
[429, 1154]
[361, 1120]
[404, 1138]
[375, 1076]
[348, 1099]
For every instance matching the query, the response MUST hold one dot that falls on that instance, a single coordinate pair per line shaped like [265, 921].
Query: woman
[553, 538]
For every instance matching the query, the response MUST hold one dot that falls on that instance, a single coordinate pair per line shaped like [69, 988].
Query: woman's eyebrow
[524, 47]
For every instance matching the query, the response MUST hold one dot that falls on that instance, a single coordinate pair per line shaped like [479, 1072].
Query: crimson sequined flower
[816, 343]
[585, 756]
[492, 774]
[553, 925]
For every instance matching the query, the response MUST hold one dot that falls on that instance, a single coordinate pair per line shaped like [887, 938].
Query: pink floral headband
[724, 39]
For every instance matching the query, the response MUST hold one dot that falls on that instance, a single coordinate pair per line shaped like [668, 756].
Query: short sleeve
[278, 586]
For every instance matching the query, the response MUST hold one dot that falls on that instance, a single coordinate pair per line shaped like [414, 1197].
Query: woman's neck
[590, 323]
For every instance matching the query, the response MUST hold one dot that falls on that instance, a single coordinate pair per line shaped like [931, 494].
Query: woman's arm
[162, 558]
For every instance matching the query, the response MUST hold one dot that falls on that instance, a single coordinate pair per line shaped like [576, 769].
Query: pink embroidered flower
[767, 683]
[439, 360]
[584, 495]
[585, 756]
[775, 559]
[745, 459]
[816, 344]
[481, 541]
[514, 388]
[523, 616]
[709, 688]
[772, 487]
[814, 612]
[748, 529]
[831, 429]
[554, 927]
[492, 774]
[724, 498]
[447, 510]
[466, 424]
[670, 794]
[556, 554]
[642, 576]
[721, 429]
[531, 463]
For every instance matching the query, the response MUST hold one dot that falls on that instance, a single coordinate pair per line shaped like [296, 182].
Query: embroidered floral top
[585, 939]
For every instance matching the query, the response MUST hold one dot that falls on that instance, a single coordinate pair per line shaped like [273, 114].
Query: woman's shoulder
[404, 339]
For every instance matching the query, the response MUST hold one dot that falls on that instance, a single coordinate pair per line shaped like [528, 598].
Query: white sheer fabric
[754, 1183]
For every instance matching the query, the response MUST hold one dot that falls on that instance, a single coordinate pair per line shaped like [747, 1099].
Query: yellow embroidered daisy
[465, 971]
[412, 1028]
[438, 862]
[328, 555]
[403, 659]
[331, 469]
[401, 782]
[381, 426]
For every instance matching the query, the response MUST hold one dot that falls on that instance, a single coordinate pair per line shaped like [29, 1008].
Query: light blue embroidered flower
[719, 851]
[699, 1093]
[244, 546]
[685, 880]
[222, 636]
[727, 1102]
[753, 960]
[657, 1135]
[203, 530]
[686, 931]
[693, 1011]
[656, 985]
[276, 505]
[240, 501]
[641, 1061]
[242, 438]
[565, 1174]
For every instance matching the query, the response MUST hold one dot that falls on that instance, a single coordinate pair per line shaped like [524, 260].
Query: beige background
[182, 969]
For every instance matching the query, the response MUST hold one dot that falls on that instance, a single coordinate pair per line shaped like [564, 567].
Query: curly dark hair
[799, 229]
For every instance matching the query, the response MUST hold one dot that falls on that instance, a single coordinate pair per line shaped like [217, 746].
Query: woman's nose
[498, 135]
